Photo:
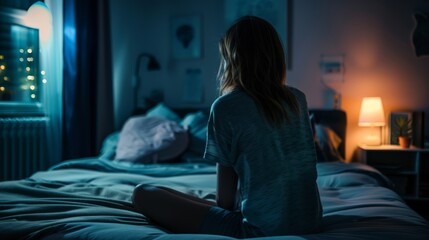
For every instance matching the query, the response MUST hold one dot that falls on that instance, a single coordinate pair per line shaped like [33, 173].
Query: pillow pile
[162, 136]
[158, 136]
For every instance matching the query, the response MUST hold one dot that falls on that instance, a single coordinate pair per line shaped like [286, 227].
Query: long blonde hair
[252, 59]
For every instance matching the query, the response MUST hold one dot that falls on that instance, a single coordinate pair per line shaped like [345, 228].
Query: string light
[27, 69]
[21, 50]
[33, 95]
[21, 59]
[29, 50]
[30, 59]
[43, 72]
[5, 78]
[44, 81]
[2, 88]
[32, 87]
[2, 67]
[1, 57]
[30, 78]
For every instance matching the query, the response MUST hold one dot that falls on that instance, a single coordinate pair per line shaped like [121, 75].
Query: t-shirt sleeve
[219, 139]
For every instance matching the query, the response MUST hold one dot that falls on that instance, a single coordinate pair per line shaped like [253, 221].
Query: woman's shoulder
[229, 101]
[295, 91]
[299, 95]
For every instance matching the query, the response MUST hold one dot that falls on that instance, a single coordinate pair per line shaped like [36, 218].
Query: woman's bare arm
[226, 187]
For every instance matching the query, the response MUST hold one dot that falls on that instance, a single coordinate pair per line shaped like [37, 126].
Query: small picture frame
[186, 37]
[394, 128]
[332, 67]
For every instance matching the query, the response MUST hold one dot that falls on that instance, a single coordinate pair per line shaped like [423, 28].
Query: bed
[90, 198]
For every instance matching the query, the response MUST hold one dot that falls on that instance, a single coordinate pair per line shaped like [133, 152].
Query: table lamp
[152, 64]
[372, 115]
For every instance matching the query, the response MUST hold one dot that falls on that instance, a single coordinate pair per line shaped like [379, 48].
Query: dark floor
[421, 207]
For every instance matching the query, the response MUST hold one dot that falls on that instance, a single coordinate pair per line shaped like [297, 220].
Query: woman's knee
[142, 193]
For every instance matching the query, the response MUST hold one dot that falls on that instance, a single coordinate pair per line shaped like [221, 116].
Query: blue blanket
[90, 199]
[160, 170]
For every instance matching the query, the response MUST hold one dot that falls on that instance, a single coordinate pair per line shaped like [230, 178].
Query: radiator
[23, 146]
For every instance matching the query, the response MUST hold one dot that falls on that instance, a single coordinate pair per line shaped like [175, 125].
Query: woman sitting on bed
[259, 135]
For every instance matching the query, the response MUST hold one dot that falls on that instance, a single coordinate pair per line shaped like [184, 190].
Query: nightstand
[408, 169]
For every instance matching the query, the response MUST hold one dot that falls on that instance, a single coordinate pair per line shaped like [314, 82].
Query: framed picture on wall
[186, 37]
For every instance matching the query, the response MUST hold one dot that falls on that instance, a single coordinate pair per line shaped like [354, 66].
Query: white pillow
[146, 139]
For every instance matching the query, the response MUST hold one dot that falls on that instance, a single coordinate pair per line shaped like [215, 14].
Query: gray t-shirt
[276, 167]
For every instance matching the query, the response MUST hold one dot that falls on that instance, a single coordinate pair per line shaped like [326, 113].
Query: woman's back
[276, 166]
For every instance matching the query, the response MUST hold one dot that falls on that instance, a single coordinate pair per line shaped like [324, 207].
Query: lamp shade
[371, 112]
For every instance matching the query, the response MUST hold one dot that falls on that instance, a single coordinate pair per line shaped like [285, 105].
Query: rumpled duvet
[90, 199]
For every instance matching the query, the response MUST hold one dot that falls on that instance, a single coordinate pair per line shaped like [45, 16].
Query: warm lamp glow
[372, 115]
[371, 112]
[39, 16]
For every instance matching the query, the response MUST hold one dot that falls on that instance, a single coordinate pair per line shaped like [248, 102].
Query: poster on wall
[274, 11]
[186, 37]
[332, 67]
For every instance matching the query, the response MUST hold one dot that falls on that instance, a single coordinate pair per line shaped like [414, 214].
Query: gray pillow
[161, 110]
[146, 139]
[197, 124]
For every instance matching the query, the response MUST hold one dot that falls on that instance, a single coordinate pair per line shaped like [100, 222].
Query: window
[21, 79]
[19, 61]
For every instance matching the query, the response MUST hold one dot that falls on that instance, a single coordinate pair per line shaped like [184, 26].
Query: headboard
[336, 120]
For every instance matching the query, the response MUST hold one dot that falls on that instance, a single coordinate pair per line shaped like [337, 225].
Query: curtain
[51, 61]
[87, 99]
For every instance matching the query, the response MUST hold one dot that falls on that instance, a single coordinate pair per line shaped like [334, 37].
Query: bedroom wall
[374, 36]
[144, 26]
